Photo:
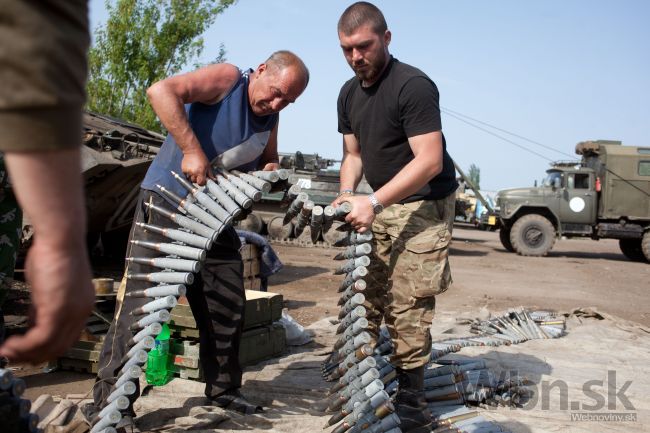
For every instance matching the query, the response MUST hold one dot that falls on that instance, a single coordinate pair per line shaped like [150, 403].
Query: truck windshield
[550, 178]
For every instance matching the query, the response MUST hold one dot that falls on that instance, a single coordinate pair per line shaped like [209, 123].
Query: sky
[554, 72]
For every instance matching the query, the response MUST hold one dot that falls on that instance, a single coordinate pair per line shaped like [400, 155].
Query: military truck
[605, 195]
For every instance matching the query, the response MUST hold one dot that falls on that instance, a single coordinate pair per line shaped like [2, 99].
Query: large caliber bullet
[185, 222]
[354, 251]
[133, 372]
[238, 196]
[352, 264]
[353, 302]
[223, 198]
[328, 218]
[193, 209]
[293, 191]
[161, 316]
[168, 302]
[106, 422]
[269, 176]
[357, 287]
[295, 207]
[253, 181]
[158, 291]
[150, 330]
[127, 388]
[145, 344]
[250, 191]
[138, 358]
[354, 238]
[167, 263]
[173, 249]
[304, 217]
[164, 277]
[353, 373]
[342, 210]
[359, 325]
[355, 275]
[316, 222]
[352, 316]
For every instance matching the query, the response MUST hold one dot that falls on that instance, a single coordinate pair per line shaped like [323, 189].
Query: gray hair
[359, 14]
[283, 59]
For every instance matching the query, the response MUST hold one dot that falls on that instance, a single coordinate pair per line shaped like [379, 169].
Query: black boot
[409, 401]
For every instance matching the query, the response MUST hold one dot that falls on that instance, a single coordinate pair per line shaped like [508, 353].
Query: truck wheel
[532, 235]
[645, 245]
[504, 237]
[631, 248]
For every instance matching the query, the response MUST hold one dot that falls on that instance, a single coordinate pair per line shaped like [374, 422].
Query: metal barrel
[138, 358]
[341, 211]
[223, 198]
[164, 277]
[120, 403]
[168, 302]
[107, 421]
[254, 181]
[127, 388]
[173, 249]
[161, 316]
[158, 291]
[238, 196]
[316, 222]
[269, 176]
[304, 217]
[250, 191]
[153, 330]
[295, 207]
[167, 263]
[213, 207]
[354, 251]
[185, 222]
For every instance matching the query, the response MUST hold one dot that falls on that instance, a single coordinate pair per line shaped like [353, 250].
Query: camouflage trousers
[409, 267]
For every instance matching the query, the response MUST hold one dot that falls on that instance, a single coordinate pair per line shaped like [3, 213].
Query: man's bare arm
[269, 159]
[168, 98]
[49, 188]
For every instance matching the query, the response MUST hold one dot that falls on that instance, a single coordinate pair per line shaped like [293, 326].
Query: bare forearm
[170, 110]
[351, 172]
[49, 188]
[408, 180]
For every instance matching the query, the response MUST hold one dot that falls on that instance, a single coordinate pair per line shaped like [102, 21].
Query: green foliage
[474, 175]
[142, 42]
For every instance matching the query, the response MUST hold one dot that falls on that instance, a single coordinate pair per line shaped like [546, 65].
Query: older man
[216, 115]
[390, 120]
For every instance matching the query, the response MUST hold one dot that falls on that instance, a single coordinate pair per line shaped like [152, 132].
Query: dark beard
[372, 71]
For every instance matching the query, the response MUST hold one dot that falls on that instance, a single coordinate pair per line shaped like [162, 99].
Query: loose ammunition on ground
[164, 277]
[254, 181]
[250, 191]
[295, 207]
[238, 196]
[158, 291]
[173, 249]
[223, 198]
[354, 251]
[161, 316]
[304, 217]
[167, 263]
[185, 222]
[352, 264]
[150, 330]
[316, 222]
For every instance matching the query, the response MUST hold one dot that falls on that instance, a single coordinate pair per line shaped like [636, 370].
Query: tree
[142, 42]
[474, 175]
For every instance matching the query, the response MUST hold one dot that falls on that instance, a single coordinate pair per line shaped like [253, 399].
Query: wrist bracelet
[345, 191]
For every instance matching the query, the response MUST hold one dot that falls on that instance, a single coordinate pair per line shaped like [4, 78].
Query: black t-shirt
[403, 103]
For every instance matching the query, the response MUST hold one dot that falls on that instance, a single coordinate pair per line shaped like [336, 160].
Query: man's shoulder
[348, 86]
[404, 72]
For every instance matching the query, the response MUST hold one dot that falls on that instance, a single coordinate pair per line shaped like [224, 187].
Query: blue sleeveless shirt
[230, 134]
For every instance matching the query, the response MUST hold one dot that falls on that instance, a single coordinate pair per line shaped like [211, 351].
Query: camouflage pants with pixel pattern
[409, 267]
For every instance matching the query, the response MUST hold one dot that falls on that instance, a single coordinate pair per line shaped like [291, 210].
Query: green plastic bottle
[159, 368]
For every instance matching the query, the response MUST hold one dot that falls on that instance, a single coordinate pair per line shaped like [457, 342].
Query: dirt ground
[577, 273]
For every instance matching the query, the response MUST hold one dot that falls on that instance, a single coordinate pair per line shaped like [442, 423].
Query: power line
[456, 113]
[497, 135]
